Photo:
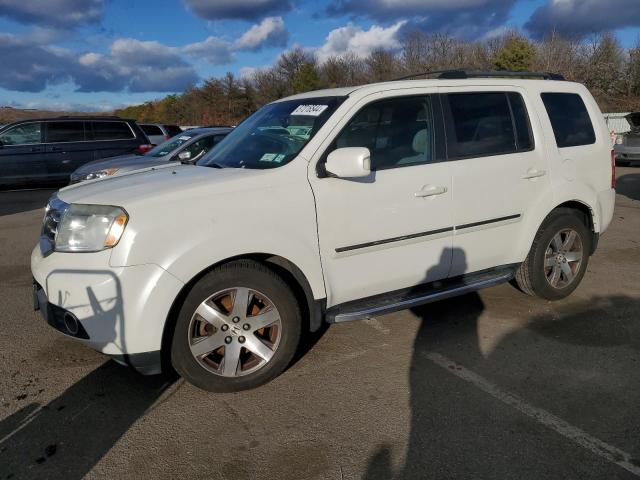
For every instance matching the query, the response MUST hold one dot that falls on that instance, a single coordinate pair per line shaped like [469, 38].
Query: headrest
[420, 141]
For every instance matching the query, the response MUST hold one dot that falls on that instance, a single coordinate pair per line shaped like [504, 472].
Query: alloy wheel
[235, 332]
[563, 258]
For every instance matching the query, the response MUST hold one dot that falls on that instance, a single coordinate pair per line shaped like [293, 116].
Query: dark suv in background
[48, 150]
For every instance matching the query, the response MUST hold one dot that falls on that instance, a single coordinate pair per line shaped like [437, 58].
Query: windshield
[273, 135]
[169, 146]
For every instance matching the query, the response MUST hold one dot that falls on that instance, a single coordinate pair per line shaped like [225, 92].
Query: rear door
[66, 147]
[112, 137]
[22, 156]
[498, 173]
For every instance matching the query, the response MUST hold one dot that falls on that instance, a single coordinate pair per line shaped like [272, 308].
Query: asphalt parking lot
[490, 385]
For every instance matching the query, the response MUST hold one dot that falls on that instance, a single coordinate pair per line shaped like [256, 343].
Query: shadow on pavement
[19, 201]
[579, 362]
[65, 438]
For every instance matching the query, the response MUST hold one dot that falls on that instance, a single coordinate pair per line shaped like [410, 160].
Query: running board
[419, 295]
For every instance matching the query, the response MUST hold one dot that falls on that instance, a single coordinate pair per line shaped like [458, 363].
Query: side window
[200, 147]
[478, 124]
[59, 132]
[25, 134]
[524, 136]
[111, 131]
[151, 130]
[397, 132]
[172, 130]
[569, 119]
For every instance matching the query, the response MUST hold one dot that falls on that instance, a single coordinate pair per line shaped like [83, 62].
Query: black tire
[240, 273]
[531, 277]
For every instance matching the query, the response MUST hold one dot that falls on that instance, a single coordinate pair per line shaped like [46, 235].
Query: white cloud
[271, 32]
[213, 50]
[53, 13]
[248, 72]
[237, 9]
[463, 18]
[582, 17]
[353, 39]
[129, 65]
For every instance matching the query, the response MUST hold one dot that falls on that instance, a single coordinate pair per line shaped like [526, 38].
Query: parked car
[158, 133]
[627, 145]
[187, 147]
[48, 150]
[330, 206]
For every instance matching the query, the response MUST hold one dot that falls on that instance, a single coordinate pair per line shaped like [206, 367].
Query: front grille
[50, 223]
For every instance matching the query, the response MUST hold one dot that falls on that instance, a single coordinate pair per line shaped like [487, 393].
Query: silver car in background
[188, 147]
[158, 133]
[627, 145]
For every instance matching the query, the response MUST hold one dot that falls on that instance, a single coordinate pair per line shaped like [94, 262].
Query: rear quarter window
[151, 130]
[172, 130]
[569, 118]
[112, 131]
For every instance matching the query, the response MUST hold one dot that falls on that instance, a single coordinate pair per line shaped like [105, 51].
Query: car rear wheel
[558, 257]
[238, 328]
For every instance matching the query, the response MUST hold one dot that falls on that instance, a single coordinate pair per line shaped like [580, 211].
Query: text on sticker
[310, 110]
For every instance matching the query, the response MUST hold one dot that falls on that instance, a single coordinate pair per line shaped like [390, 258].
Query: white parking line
[580, 437]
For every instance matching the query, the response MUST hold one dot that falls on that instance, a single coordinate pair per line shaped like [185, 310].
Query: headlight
[107, 172]
[90, 228]
[619, 139]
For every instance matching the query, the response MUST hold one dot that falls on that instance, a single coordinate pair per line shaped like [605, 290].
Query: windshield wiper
[214, 165]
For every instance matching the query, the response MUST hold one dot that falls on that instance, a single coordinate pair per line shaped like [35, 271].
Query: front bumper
[121, 310]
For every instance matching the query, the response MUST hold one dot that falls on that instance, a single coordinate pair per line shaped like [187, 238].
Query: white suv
[332, 205]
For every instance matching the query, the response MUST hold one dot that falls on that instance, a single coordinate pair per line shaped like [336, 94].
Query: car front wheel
[238, 328]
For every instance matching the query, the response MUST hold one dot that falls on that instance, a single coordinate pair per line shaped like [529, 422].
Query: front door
[392, 230]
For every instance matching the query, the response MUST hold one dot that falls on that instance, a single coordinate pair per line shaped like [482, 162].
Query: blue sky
[101, 54]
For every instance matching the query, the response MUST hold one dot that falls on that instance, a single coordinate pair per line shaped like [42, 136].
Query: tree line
[611, 72]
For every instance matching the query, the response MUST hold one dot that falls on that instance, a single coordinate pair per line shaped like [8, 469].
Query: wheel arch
[312, 309]
[585, 210]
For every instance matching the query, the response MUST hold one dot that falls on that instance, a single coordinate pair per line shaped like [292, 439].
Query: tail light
[144, 148]
[167, 137]
[613, 169]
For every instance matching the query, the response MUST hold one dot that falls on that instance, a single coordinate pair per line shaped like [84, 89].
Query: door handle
[534, 173]
[430, 191]
[35, 149]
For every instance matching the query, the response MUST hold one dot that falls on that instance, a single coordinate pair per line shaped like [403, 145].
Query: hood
[170, 182]
[120, 161]
[634, 120]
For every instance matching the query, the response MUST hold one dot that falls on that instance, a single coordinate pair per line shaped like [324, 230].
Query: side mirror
[349, 162]
[184, 156]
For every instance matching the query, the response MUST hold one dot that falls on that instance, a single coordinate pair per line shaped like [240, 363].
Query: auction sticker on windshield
[310, 110]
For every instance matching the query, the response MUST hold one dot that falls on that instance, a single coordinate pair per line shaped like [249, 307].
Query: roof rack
[84, 117]
[462, 74]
